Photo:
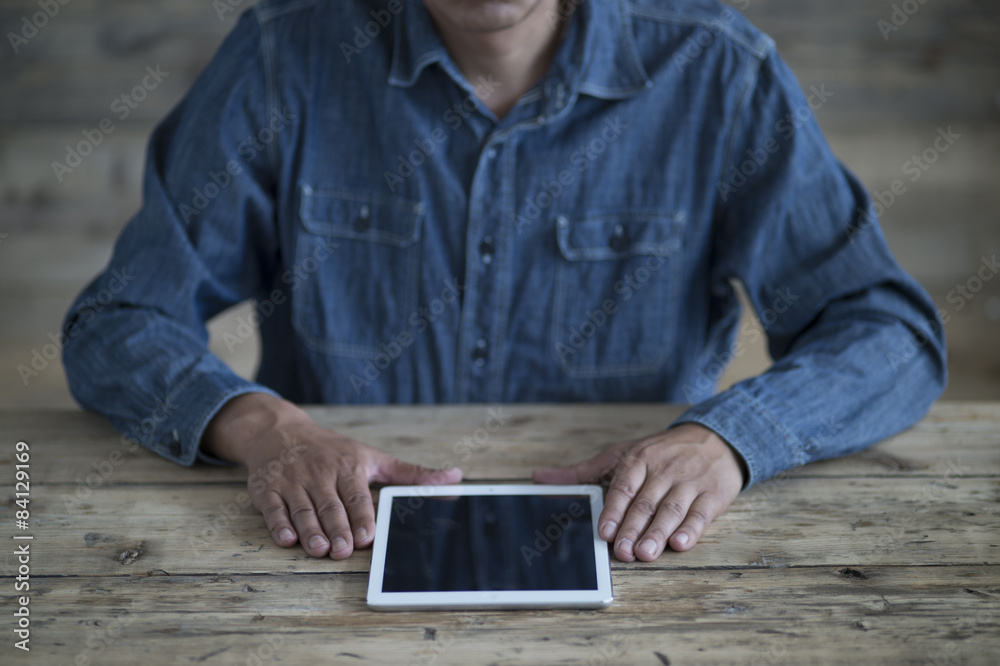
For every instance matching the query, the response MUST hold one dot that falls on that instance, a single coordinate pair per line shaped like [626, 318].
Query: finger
[586, 471]
[276, 517]
[625, 485]
[393, 470]
[703, 511]
[332, 516]
[304, 517]
[352, 486]
[669, 514]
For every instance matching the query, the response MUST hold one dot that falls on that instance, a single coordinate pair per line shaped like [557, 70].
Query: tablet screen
[490, 543]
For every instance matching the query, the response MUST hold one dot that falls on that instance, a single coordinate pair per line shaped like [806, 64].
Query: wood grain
[897, 615]
[935, 66]
[532, 436]
[889, 556]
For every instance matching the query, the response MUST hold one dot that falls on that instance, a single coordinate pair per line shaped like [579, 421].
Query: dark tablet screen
[490, 543]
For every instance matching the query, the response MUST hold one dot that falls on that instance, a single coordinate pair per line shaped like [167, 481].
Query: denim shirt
[403, 245]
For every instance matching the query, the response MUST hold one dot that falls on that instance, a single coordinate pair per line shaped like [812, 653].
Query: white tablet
[489, 547]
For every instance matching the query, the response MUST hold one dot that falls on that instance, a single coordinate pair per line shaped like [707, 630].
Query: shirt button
[618, 242]
[363, 221]
[479, 352]
[486, 250]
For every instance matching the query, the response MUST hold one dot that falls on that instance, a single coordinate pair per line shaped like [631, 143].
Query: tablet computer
[489, 547]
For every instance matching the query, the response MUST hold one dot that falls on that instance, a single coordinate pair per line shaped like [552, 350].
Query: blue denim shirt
[403, 245]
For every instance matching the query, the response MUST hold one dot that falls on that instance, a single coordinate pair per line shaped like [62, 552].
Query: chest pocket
[356, 270]
[616, 293]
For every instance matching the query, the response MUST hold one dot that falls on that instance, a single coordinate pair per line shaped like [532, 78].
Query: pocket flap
[619, 236]
[347, 214]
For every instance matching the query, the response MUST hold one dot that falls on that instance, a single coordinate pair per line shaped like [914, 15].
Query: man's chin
[484, 15]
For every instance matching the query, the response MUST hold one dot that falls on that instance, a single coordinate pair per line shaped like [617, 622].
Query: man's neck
[517, 56]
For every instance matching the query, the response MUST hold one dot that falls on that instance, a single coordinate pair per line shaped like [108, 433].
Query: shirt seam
[270, 86]
[267, 12]
[759, 48]
[750, 76]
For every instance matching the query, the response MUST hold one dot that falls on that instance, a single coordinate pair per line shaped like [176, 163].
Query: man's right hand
[310, 483]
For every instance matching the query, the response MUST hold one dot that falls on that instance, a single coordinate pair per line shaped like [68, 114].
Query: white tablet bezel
[473, 600]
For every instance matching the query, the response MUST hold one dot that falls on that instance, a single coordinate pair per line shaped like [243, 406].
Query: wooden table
[891, 556]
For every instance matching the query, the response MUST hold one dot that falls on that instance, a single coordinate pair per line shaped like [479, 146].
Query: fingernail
[338, 544]
[317, 542]
[625, 545]
[360, 534]
[682, 538]
[609, 529]
[648, 546]
[286, 535]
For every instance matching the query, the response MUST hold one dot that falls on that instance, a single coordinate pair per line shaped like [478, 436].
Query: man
[501, 201]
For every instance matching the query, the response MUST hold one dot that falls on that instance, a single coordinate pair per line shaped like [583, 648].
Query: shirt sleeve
[135, 342]
[858, 345]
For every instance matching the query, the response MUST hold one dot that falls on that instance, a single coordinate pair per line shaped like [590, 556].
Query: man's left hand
[665, 488]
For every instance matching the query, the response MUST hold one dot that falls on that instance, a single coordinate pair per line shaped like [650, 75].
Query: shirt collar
[606, 59]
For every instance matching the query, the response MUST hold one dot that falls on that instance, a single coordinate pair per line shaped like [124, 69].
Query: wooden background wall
[940, 69]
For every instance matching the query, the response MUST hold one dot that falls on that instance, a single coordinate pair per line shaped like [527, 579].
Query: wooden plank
[69, 446]
[898, 615]
[942, 63]
[183, 529]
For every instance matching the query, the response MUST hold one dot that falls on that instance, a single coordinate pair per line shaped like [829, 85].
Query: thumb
[585, 471]
[396, 472]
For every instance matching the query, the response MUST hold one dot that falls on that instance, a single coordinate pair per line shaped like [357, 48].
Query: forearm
[245, 418]
[153, 378]
[853, 379]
